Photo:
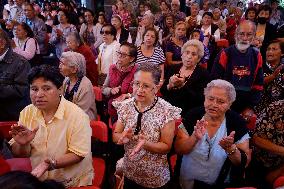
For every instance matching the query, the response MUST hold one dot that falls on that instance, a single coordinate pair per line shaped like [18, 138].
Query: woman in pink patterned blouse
[123, 13]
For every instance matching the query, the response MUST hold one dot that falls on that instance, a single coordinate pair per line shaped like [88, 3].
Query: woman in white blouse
[107, 52]
[24, 43]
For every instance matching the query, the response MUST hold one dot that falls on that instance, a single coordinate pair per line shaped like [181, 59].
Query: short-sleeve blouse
[146, 169]
[175, 49]
[157, 58]
[269, 127]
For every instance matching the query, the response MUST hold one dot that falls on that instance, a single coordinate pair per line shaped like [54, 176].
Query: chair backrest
[99, 130]
[222, 43]
[279, 182]
[5, 127]
[98, 93]
[20, 164]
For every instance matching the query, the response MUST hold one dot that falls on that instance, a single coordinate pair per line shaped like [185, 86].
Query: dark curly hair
[49, 73]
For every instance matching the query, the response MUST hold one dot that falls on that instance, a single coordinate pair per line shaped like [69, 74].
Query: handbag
[37, 59]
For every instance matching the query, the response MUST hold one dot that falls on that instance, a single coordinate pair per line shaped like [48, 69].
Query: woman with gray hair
[214, 141]
[77, 88]
[187, 80]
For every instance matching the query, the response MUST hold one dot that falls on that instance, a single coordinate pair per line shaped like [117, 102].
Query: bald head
[246, 25]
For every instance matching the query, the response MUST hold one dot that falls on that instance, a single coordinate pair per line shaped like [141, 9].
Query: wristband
[231, 152]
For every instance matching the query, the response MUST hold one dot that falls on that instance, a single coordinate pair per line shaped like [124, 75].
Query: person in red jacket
[4, 166]
[74, 43]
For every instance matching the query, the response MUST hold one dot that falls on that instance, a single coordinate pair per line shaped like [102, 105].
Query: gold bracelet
[233, 151]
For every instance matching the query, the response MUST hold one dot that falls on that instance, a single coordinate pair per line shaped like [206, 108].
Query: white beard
[242, 47]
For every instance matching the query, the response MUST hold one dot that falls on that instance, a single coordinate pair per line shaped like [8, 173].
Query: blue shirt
[205, 161]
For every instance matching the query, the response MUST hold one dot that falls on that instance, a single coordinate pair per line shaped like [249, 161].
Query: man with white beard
[241, 64]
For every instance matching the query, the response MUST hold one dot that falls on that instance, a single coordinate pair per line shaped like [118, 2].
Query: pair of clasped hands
[227, 142]
[127, 136]
[176, 82]
[23, 136]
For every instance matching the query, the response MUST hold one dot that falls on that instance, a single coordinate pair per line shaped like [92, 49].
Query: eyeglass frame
[123, 55]
[144, 87]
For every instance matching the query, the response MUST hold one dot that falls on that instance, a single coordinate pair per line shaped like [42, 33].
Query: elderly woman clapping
[146, 128]
[214, 141]
[77, 88]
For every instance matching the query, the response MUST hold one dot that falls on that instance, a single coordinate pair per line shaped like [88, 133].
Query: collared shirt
[16, 13]
[205, 161]
[39, 29]
[68, 131]
[3, 55]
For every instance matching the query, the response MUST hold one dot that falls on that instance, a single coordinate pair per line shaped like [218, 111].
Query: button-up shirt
[68, 131]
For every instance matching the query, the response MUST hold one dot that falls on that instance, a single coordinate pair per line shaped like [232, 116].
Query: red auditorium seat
[100, 132]
[5, 127]
[223, 43]
[279, 182]
[20, 164]
[98, 93]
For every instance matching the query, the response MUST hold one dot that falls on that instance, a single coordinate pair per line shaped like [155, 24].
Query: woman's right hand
[176, 81]
[115, 90]
[200, 129]
[22, 135]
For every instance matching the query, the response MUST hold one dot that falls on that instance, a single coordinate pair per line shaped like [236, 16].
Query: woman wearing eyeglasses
[146, 128]
[107, 52]
[214, 141]
[118, 82]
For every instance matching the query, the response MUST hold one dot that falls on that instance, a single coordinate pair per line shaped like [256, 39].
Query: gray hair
[77, 60]
[246, 22]
[76, 37]
[176, 1]
[196, 43]
[151, 68]
[222, 84]
[195, 4]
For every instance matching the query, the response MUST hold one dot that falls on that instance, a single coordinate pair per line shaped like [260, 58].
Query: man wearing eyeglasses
[241, 64]
[36, 24]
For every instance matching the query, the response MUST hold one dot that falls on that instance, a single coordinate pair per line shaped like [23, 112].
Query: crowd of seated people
[169, 79]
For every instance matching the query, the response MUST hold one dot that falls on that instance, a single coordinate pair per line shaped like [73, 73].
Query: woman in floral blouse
[268, 163]
[123, 13]
[146, 128]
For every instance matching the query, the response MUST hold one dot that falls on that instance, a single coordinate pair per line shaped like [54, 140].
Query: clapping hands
[200, 129]
[21, 134]
[227, 142]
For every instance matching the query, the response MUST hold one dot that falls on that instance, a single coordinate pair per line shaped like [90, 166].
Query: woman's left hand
[139, 146]
[227, 143]
[40, 169]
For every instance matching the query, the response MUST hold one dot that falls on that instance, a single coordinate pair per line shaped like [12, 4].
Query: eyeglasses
[105, 32]
[243, 34]
[122, 55]
[145, 87]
